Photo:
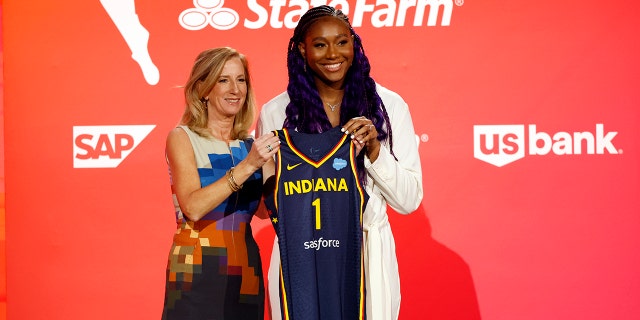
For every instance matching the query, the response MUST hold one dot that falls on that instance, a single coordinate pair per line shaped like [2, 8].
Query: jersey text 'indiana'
[314, 185]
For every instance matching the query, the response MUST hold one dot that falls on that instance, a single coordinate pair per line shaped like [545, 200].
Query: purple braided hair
[305, 111]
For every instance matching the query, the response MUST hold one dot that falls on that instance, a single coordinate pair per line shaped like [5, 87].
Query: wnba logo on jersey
[105, 146]
[502, 144]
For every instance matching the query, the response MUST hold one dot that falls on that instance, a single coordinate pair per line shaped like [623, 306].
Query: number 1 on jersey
[316, 204]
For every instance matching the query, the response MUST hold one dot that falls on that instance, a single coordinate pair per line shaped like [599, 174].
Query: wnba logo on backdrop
[106, 146]
[283, 13]
[502, 144]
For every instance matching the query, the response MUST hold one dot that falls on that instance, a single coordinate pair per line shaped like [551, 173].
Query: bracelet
[231, 181]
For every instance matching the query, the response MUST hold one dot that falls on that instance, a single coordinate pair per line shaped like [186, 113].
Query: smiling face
[230, 91]
[328, 51]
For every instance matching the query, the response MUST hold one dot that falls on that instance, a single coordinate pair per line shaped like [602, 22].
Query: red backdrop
[526, 115]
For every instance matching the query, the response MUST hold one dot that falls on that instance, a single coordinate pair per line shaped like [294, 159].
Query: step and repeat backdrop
[526, 117]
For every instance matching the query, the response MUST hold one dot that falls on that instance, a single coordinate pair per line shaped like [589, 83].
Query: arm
[194, 200]
[267, 123]
[268, 186]
[400, 182]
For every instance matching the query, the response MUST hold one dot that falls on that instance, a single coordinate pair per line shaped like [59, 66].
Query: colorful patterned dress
[214, 269]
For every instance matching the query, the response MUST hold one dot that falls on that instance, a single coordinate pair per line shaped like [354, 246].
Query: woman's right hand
[263, 150]
[363, 133]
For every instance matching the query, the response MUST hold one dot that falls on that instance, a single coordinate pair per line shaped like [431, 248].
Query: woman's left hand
[363, 133]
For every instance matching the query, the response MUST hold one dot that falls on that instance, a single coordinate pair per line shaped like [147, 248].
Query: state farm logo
[285, 14]
[106, 146]
[208, 12]
[502, 144]
[279, 14]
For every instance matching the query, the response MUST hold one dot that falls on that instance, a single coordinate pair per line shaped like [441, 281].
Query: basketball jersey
[317, 214]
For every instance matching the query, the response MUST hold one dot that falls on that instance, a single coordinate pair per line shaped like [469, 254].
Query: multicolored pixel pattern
[214, 269]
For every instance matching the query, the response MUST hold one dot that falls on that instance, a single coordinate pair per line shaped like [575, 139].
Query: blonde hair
[204, 76]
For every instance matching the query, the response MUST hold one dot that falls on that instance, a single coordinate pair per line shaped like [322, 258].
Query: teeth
[334, 66]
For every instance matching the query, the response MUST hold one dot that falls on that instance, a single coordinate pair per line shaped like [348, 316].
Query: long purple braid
[305, 112]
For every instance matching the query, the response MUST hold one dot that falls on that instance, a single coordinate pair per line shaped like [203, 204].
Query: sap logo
[502, 144]
[106, 146]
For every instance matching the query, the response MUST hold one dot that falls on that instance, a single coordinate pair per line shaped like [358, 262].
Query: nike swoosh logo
[290, 167]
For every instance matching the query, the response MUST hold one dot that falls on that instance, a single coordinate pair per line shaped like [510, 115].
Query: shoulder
[272, 114]
[178, 136]
[178, 144]
[177, 133]
[388, 96]
[393, 102]
[276, 103]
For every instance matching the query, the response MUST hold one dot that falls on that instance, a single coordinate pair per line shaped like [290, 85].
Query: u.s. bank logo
[498, 145]
[106, 146]
[502, 144]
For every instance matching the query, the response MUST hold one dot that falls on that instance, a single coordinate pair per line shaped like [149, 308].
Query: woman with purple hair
[329, 86]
